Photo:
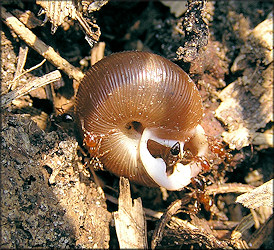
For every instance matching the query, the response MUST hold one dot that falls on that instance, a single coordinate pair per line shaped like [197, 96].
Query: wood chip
[265, 138]
[262, 36]
[247, 103]
[97, 52]
[260, 196]
[130, 221]
[177, 8]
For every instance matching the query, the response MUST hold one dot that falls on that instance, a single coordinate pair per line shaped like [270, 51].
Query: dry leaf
[58, 11]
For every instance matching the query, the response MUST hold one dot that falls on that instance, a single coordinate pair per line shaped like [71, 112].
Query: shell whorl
[128, 92]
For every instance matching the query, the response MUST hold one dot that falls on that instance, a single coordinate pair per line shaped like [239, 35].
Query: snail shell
[151, 104]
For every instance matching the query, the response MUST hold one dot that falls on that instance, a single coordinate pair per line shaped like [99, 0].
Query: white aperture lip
[156, 167]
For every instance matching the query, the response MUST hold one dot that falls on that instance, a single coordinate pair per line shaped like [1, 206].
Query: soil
[49, 198]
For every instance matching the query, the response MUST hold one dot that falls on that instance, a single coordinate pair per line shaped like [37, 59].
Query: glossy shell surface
[128, 92]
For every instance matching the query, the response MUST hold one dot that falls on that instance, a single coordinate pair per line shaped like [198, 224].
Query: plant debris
[260, 196]
[130, 221]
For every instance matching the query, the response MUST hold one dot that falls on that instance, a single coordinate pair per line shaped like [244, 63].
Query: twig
[171, 210]
[236, 235]
[96, 180]
[38, 45]
[22, 57]
[259, 236]
[228, 188]
[27, 71]
[182, 236]
[37, 83]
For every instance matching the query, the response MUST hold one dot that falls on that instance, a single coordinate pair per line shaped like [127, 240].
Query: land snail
[139, 113]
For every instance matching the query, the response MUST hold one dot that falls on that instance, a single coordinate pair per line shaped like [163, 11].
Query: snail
[138, 114]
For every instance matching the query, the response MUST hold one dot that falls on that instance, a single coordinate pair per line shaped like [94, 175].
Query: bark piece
[195, 30]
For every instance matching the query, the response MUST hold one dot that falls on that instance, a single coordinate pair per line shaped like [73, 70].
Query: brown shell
[136, 90]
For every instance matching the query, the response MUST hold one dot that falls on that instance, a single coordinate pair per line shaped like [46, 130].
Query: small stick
[259, 236]
[38, 45]
[228, 188]
[22, 57]
[28, 70]
[96, 180]
[171, 210]
[37, 83]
